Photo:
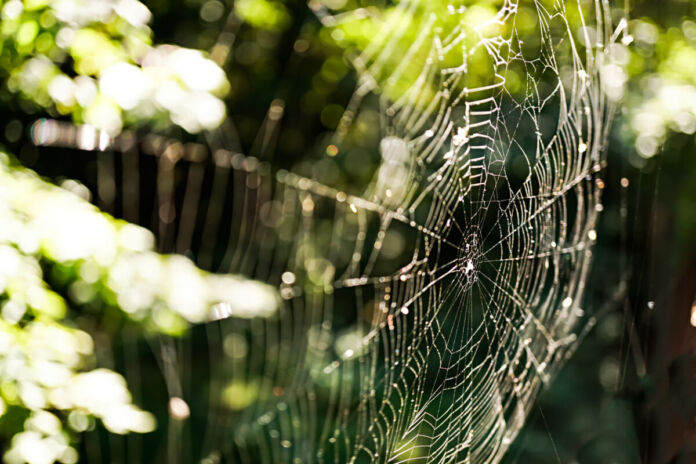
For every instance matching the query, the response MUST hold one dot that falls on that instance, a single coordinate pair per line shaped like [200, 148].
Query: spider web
[437, 352]
[439, 357]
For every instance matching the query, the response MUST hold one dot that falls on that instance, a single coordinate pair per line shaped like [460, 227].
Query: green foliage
[48, 393]
[661, 98]
[95, 60]
[365, 32]
[52, 239]
[263, 14]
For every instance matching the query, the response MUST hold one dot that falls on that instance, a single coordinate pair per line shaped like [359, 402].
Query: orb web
[422, 314]
[490, 155]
